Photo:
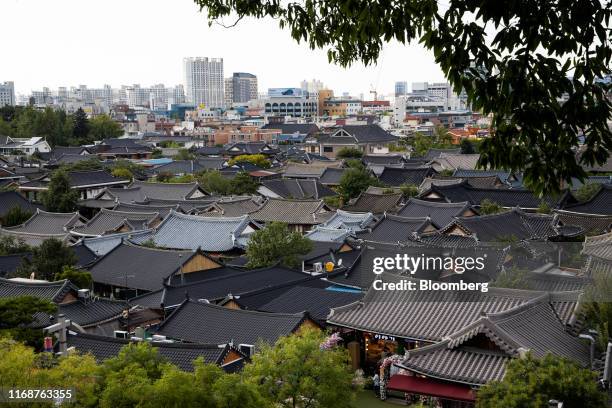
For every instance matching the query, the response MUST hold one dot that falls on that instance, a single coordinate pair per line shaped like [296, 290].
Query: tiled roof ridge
[152, 343]
[158, 249]
[581, 214]
[40, 212]
[197, 218]
[439, 204]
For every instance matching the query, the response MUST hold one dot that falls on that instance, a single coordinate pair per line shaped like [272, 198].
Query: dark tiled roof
[360, 134]
[514, 224]
[10, 199]
[167, 191]
[180, 354]
[216, 285]
[93, 178]
[210, 151]
[440, 213]
[189, 166]
[47, 223]
[409, 314]
[145, 268]
[52, 291]
[298, 189]
[375, 203]
[391, 228]
[230, 208]
[183, 231]
[505, 197]
[589, 223]
[435, 153]
[316, 301]
[240, 148]
[88, 314]
[163, 210]
[600, 203]
[393, 176]
[207, 323]
[310, 212]
[332, 176]
[10, 263]
[383, 159]
[109, 221]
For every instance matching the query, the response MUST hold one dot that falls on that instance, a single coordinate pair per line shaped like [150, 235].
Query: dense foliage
[349, 153]
[531, 382]
[276, 242]
[258, 160]
[514, 61]
[15, 216]
[48, 260]
[59, 196]
[17, 313]
[354, 181]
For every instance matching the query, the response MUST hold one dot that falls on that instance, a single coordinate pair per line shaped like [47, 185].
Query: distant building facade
[241, 87]
[7, 93]
[401, 88]
[204, 82]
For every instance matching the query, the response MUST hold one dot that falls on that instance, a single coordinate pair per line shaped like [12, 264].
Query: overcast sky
[71, 42]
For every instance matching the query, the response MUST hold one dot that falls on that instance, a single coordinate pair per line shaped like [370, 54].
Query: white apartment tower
[203, 80]
[7, 93]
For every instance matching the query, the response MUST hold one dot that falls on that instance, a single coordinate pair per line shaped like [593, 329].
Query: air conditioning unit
[247, 349]
[121, 334]
[318, 267]
[84, 294]
[158, 337]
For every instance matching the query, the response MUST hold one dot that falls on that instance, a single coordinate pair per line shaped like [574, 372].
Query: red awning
[433, 388]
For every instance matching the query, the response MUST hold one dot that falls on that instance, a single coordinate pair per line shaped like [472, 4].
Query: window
[328, 149]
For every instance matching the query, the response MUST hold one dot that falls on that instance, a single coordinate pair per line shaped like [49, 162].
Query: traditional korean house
[216, 235]
[182, 355]
[600, 203]
[203, 322]
[230, 207]
[375, 203]
[44, 225]
[110, 221]
[294, 189]
[598, 250]
[446, 161]
[392, 229]
[12, 199]
[300, 215]
[590, 224]
[140, 191]
[439, 213]
[392, 176]
[89, 184]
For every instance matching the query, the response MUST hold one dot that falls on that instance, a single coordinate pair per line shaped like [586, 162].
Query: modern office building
[241, 87]
[401, 88]
[203, 81]
[293, 102]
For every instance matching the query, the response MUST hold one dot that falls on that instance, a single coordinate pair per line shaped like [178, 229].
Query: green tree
[259, 160]
[531, 382]
[10, 245]
[59, 196]
[443, 138]
[80, 278]
[467, 147]
[18, 312]
[543, 208]
[409, 190]
[184, 154]
[513, 278]
[80, 131]
[354, 164]
[355, 181]
[275, 242]
[349, 153]
[298, 372]
[334, 201]
[587, 191]
[242, 183]
[488, 207]
[122, 173]
[49, 260]
[214, 182]
[422, 143]
[103, 127]
[516, 70]
[15, 216]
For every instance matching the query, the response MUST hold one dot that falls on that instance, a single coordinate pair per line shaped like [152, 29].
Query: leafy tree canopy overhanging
[514, 59]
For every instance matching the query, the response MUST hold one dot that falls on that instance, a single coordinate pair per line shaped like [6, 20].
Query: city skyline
[74, 54]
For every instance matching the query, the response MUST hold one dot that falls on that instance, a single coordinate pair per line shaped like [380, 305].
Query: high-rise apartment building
[203, 81]
[312, 87]
[241, 87]
[7, 93]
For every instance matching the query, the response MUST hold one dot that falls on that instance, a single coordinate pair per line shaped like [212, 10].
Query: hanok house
[396, 177]
[391, 229]
[122, 149]
[89, 314]
[375, 203]
[140, 191]
[598, 250]
[300, 215]
[202, 322]
[131, 269]
[12, 199]
[111, 222]
[600, 203]
[43, 225]
[233, 207]
[589, 224]
[340, 226]
[440, 213]
[216, 235]
[367, 138]
[454, 161]
[513, 225]
[242, 148]
[182, 355]
[88, 183]
[507, 198]
[442, 352]
[295, 189]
